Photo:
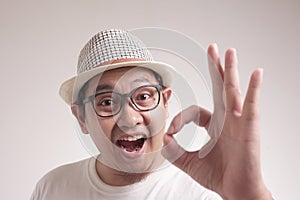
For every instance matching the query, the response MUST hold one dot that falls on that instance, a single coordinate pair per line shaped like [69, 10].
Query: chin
[141, 164]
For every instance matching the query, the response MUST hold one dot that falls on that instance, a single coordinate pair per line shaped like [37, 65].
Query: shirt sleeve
[36, 193]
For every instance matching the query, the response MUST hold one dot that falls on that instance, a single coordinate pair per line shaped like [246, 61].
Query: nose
[129, 117]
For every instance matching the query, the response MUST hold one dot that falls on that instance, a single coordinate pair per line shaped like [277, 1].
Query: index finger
[196, 114]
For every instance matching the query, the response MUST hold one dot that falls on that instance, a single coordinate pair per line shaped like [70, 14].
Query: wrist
[260, 193]
[263, 193]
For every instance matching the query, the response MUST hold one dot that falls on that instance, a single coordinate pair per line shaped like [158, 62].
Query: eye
[105, 102]
[106, 99]
[143, 96]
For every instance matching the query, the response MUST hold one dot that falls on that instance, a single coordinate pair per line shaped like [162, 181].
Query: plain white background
[40, 42]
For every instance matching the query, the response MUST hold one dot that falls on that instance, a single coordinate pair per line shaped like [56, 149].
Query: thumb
[171, 150]
[177, 155]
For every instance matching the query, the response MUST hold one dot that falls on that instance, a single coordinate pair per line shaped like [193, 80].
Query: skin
[232, 168]
[114, 168]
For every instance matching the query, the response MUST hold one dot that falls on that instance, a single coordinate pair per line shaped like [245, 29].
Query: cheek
[96, 124]
[156, 120]
[99, 130]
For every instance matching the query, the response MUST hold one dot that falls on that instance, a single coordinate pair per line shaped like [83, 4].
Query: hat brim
[69, 89]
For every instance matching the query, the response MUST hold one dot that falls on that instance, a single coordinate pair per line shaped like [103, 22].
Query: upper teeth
[132, 138]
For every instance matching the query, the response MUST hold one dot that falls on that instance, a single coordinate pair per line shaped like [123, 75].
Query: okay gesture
[230, 163]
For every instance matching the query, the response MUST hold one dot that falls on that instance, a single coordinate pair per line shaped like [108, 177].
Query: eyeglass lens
[110, 103]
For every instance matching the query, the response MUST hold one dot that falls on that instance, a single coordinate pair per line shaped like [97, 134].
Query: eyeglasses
[108, 104]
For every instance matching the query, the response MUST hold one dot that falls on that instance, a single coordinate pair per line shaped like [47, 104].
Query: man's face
[130, 140]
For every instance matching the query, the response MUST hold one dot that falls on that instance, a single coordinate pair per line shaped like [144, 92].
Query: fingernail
[261, 73]
[234, 57]
[167, 139]
[216, 48]
[234, 51]
[171, 129]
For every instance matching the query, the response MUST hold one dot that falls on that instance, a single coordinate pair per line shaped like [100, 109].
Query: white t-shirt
[79, 181]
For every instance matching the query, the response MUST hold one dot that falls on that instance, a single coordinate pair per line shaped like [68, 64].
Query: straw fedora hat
[99, 55]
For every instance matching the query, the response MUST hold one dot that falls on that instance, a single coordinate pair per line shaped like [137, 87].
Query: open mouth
[132, 143]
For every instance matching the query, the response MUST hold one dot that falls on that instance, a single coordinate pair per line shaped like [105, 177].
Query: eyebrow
[141, 80]
[110, 87]
[104, 87]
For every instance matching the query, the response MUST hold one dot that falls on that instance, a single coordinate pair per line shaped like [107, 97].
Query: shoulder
[60, 177]
[184, 186]
[66, 171]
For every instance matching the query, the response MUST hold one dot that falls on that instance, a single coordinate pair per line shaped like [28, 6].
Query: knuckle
[251, 115]
[230, 87]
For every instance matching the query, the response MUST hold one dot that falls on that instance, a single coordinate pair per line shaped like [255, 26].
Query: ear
[166, 93]
[78, 112]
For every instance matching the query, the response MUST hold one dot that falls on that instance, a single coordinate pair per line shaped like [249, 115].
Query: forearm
[263, 194]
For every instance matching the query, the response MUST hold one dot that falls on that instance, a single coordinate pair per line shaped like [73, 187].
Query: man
[120, 98]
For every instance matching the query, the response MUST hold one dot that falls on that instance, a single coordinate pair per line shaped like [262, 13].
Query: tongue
[131, 145]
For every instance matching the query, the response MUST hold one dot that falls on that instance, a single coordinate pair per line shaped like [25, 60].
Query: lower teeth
[131, 147]
[130, 150]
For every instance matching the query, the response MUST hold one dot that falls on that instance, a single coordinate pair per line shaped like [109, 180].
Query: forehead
[123, 77]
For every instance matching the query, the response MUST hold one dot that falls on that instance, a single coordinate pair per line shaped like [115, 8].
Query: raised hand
[230, 163]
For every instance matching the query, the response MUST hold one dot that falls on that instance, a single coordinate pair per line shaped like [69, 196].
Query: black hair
[81, 94]
[82, 91]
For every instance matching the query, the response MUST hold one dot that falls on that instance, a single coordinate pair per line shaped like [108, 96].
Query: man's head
[124, 110]
[120, 98]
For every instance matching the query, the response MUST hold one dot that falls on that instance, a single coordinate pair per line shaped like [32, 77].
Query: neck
[114, 177]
